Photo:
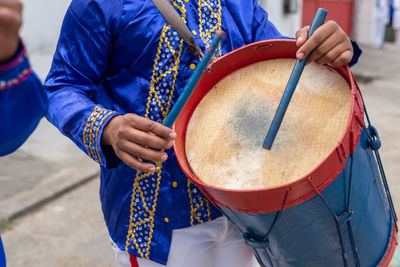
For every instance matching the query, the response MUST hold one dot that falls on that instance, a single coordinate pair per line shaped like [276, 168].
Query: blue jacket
[118, 57]
[23, 103]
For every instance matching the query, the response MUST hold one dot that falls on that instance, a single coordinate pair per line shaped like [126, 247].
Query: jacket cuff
[356, 54]
[16, 70]
[104, 155]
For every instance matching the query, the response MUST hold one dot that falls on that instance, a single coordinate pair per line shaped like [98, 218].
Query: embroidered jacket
[118, 57]
[22, 104]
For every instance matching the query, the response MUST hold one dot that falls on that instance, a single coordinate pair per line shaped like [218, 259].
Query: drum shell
[292, 241]
[307, 234]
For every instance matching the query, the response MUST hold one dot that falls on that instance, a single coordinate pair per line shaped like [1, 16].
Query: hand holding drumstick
[133, 137]
[328, 45]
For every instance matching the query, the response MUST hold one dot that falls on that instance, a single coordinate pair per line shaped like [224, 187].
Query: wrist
[10, 50]
[107, 136]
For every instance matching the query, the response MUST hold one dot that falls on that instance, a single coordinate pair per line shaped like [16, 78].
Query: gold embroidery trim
[97, 134]
[176, 55]
[85, 129]
[159, 166]
[191, 203]
[193, 209]
[204, 35]
[88, 132]
[216, 27]
[91, 132]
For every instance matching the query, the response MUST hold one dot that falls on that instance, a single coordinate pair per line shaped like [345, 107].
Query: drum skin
[305, 223]
[235, 115]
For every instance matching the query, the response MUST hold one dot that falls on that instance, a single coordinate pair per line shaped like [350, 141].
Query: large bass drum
[317, 198]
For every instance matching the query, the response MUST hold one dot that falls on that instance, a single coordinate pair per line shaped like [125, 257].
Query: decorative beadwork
[162, 87]
[210, 21]
[199, 205]
[91, 131]
[143, 204]
[17, 79]
[210, 13]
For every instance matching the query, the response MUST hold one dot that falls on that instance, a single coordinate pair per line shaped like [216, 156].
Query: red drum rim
[281, 197]
[391, 248]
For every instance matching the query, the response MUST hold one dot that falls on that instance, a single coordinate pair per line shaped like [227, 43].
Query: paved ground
[44, 167]
[70, 231]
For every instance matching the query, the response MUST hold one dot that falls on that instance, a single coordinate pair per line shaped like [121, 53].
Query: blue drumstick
[194, 79]
[292, 83]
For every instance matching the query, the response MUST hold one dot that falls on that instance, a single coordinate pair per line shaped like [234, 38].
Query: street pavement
[68, 232]
[49, 200]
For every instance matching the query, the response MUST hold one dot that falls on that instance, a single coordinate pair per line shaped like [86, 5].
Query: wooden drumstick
[318, 20]
[194, 79]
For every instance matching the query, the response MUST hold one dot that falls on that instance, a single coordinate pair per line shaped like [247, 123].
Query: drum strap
[172, 17]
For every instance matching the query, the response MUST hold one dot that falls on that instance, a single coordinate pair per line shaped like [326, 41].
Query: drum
[317, 198]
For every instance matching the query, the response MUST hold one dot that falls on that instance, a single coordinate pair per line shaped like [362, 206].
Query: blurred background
[49, 206]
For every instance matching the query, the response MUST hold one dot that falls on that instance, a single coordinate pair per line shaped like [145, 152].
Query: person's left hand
[328, 45]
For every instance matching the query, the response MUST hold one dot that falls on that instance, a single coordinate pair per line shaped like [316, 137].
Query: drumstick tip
[267, 148]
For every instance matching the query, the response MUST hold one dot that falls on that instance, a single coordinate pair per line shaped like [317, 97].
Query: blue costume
[118, 57]
[23, 103]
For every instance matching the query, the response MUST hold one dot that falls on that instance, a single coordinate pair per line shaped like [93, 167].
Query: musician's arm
[22, 102]
[79, 64]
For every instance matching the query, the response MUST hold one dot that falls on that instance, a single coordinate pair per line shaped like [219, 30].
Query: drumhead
[225, 134]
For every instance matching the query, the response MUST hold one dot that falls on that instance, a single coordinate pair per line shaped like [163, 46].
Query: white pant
[380, 31]
[212, 244]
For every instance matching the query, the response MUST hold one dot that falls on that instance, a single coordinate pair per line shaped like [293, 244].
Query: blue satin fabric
[2, 256]
[118, 57]
[21, 106]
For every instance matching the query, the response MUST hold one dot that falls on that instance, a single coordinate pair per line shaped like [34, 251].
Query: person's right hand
[10, 23]
[133, 138]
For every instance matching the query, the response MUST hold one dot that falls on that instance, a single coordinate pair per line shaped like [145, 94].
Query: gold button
[174, 184]
[192, 66]
[186, 1]
[194, 32]
[166, 219]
